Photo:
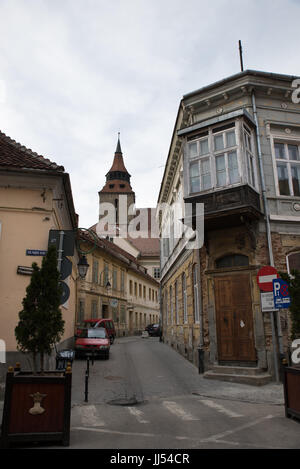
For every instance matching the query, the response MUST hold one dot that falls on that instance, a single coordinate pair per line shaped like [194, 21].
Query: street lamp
[82, 267]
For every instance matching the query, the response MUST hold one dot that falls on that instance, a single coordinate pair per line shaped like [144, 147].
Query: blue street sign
[35, 252]
[281, 295]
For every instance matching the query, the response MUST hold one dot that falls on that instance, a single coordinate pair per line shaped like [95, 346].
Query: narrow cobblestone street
[148, 396]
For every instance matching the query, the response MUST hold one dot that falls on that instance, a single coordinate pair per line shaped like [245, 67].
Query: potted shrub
[292, 373]
[37, 404]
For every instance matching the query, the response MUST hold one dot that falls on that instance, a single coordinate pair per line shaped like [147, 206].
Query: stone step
[239, 370]
[254, 380]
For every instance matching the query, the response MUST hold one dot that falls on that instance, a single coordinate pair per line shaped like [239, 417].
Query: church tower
[117, 192]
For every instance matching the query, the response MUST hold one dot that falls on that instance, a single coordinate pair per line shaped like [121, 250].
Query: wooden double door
[234, 318]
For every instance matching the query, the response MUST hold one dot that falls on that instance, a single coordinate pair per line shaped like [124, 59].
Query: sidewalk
[271, 393]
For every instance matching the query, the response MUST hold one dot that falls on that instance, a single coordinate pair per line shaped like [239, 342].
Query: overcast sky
[74, 73]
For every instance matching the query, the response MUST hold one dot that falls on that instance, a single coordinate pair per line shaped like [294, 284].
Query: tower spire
[118, 149]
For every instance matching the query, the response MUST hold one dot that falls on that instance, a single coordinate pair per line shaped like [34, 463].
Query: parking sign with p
[281, 293]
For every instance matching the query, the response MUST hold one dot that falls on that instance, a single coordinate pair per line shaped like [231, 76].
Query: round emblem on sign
[265, 278]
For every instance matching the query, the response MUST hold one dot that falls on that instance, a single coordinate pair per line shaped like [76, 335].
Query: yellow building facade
[35, 197]
[116, 287]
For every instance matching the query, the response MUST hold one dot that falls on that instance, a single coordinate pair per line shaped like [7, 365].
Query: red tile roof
[15, 155]
[148, 247]
[117, 252]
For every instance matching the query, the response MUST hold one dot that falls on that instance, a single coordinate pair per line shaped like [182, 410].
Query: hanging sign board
[267, 302]
[281, 295]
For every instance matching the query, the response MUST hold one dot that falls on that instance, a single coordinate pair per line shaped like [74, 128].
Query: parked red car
[108, 324]
[93, 341]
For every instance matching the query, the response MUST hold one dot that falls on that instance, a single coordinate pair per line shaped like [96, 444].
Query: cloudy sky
[74, 73]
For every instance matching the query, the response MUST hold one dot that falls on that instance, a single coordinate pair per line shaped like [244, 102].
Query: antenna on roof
[241, 55]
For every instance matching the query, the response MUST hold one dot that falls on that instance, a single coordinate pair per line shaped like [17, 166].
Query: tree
[293, 282]
[41, 324]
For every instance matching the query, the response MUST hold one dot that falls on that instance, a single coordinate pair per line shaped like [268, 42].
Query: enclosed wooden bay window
[221, 156]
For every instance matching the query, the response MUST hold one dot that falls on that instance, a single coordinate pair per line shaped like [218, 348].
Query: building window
[176, 303]
[105, 279]
[250, 156]
[115, 279]
[287, 157]
[196, 293]
[81, 311]
[144, 292]
[94, 311]
[122, 314]
[184, 298]
[171, 305]
[232, 260]
[216, 157]
[95, 271]
[156, 272]
[140, 290]
[167, 308]
[122, 281]
[135, 289]
[130, 287]
[293, 261]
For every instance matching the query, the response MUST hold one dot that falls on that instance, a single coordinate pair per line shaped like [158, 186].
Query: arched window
[293, 261]
[232, 260]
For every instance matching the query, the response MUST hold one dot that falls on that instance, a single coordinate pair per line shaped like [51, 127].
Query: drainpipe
[201, 341]
[160, 295]
[269, 239]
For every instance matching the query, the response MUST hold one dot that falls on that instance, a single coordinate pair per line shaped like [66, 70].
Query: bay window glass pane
[252, 180]
[293, 152]
[283, 179]
[203, 147]
[296, 179]
[193, 149]
[195, 179]
[230, 138]
[221, 170]
[248, 141]
[194, 171]
[233, 169]
[205, 174]
[218, 139]
[279, 151]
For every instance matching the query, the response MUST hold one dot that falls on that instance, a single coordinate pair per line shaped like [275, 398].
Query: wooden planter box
[37, 408]
[292, 392]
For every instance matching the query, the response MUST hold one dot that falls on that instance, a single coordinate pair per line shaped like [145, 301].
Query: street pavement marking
[177, 410]
[219, 408]
[138, 414]
[89, 416]
[115, 432]
[218, 436]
